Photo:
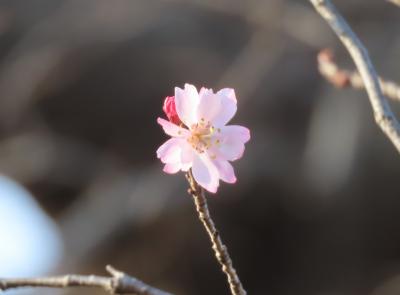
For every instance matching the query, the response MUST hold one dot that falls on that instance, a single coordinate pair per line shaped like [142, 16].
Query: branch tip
[389, 125]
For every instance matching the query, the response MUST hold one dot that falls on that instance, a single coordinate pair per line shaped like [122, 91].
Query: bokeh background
[316, 209]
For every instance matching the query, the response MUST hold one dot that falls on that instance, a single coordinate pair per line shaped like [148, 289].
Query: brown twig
[343, 78]
[220, 250]
[383, 114]
[117, 283]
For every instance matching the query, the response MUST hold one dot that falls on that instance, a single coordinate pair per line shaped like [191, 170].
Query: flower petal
[172, 168]
[209, 105]
[225, 169]
[171, 129]
[217, 108]
[235, 132]
[231, 142]
[230, 151]
[229, 93]
[187, 154]
[228, 110]
[170, 151]
[205, 172]
[186, 101]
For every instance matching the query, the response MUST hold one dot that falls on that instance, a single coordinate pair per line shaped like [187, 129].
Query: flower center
[201, 137]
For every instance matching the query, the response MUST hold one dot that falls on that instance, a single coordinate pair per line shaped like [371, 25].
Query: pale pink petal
[186, 101]
[225, 169]
[217, 108]
[231, 140]
[209, 105]
[170, 151]
[205, 173]
[228, 150]
[187, 154]
[205, 91]
[235, 132]
[186, 167]
[171, 129]
[228, 110]
[172, 168]
[229, 93]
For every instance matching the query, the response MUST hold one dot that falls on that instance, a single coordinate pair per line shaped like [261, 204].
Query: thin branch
[220, 250]
[383, 114]
[342, 78]
[117, 283]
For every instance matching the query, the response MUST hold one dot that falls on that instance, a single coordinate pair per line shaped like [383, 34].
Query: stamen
[201, 136]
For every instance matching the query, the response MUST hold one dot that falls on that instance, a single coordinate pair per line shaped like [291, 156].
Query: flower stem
[220, 250]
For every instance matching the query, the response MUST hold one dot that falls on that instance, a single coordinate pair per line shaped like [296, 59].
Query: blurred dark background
[316, 209]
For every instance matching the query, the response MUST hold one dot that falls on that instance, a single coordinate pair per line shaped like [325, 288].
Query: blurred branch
[118, 283]
[395, 2]
[220, 250]
[342, 78]
[383, 114]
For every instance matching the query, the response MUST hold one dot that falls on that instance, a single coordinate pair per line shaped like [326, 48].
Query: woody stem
[220, 250]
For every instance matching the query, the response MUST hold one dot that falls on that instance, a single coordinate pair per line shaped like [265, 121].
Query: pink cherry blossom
[202, 141]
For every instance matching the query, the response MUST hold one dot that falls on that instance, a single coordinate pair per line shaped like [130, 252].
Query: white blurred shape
[30, 243]
[332, 142]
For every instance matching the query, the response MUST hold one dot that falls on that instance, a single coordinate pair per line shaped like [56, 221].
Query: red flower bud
[170, 110]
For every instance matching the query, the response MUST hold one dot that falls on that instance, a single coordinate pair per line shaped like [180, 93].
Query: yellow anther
[201, 138]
